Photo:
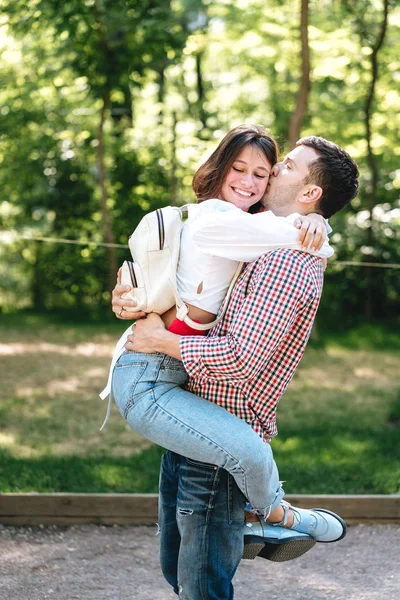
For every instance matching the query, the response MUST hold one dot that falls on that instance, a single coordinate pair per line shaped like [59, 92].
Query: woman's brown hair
[208, 179]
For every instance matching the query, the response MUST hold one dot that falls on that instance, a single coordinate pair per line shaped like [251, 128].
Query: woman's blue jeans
[146, 389]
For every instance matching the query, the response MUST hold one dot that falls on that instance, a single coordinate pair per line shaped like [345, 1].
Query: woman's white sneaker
[321, 524]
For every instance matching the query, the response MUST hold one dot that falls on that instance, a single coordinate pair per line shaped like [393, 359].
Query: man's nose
[275, 169]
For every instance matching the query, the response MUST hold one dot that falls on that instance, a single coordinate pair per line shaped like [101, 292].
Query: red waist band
[182, 328]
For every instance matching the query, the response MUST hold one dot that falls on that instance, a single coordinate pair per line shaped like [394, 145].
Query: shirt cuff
[191, 348]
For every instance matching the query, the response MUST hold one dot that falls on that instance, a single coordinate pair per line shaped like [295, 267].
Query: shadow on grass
[312, 462]
[75, 474]
[81, 316]
[350, 461]
[363, 336]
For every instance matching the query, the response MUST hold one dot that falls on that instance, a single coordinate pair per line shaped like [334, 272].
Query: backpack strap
[182, 308]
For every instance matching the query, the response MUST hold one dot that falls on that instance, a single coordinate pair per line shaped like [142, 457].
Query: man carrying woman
[244, 365]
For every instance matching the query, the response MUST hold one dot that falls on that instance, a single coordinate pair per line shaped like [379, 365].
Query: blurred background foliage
[107, 107]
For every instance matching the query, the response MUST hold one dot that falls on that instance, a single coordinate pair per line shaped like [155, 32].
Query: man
[245, 366]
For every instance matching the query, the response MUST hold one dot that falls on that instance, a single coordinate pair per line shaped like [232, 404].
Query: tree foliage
[108, 106]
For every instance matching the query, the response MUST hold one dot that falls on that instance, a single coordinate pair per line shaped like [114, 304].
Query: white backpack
[155, 247]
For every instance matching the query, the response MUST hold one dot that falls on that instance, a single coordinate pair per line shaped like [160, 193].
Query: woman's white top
[215, 238]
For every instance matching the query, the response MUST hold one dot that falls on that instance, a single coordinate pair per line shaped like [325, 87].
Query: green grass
[339, 422]
[73, 473]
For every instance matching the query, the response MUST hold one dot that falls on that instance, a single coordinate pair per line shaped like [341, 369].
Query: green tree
[107, 108]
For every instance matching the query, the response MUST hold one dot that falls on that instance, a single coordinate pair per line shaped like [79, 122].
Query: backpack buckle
[182, 311]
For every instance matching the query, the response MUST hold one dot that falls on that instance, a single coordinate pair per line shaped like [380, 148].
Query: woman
[146, 387]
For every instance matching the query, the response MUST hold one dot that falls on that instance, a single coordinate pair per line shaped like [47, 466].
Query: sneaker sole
[252, 547]
[276, 551]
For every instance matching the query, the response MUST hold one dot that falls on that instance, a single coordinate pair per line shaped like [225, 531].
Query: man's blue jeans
[201, 518]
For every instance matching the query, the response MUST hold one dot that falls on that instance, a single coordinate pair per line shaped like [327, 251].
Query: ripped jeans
[201, 518]
[146, 389]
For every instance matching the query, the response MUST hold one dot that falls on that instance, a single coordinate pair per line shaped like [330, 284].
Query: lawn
[339, 422]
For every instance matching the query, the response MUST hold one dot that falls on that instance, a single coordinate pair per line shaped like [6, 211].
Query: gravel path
[92, 562]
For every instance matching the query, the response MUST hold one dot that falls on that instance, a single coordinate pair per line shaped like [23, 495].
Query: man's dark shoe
[274, 542]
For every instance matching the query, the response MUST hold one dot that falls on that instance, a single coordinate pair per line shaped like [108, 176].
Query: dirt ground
[92, 562]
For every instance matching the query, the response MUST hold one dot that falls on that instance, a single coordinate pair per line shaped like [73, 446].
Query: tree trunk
[371, 160]
[161, 94]
[297, 117]
[365, 36]
[105, 215]
[173, 181]
[200, 90]
[37, 287]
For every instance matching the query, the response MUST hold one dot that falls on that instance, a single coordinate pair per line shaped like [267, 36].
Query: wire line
[65, 241]
[349, 263]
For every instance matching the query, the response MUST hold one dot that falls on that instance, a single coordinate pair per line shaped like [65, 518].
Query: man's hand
[146, 334]
[312, 231]
[150, 335]
[122, 307]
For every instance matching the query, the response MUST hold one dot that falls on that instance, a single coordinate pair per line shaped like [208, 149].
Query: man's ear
[311, 194]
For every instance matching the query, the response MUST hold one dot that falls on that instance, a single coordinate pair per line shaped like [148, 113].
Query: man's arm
[280, 288]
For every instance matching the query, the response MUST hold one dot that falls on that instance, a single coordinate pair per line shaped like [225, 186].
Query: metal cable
[349, 263]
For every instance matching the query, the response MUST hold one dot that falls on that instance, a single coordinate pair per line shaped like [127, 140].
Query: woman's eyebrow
[245, 163]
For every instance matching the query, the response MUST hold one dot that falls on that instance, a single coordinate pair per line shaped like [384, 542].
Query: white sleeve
[241, 236]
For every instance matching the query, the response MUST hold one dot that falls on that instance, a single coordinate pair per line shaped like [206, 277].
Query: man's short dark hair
[334, 171]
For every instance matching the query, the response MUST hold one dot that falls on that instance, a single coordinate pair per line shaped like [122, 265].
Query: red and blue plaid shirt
[250, 356]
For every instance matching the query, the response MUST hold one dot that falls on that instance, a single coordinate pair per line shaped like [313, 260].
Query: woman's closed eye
[258, 175]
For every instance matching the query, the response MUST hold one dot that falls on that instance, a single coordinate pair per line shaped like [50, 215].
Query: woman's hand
[123, 307]
[312, 231]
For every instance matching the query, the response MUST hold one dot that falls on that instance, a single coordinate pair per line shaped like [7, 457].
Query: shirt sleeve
[241, 236]
[281, 288]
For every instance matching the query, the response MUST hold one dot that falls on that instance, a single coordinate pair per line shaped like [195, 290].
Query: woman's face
[247, 179]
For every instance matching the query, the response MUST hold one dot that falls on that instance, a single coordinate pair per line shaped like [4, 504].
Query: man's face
[286, 184]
